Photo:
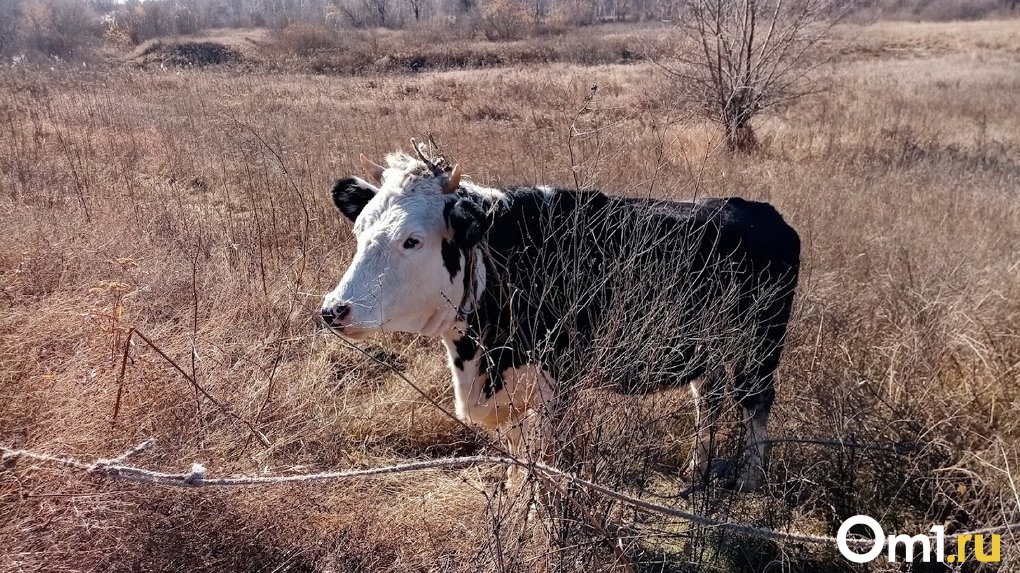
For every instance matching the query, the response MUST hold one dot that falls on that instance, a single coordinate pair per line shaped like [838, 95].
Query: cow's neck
[475, 378]
[474, 280]
[464, 358]
[461, 340]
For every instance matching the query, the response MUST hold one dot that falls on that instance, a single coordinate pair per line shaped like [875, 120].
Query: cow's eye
[411, 243]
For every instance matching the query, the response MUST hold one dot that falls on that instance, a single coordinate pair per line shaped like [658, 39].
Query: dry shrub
[736, 60]
[443, 30]
[187, 54]
[355, 51]
[304, 39]
[148, 20]
[506, 19]
[573, 13]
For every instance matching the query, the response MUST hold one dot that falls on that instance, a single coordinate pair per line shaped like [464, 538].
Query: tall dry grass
[192, 207]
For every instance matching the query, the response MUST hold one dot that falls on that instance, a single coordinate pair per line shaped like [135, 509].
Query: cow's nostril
[327, 316]
[335, 316]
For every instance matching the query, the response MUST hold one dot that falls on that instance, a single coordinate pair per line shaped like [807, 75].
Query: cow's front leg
[528, 440]
[708, 392]
[528, 395]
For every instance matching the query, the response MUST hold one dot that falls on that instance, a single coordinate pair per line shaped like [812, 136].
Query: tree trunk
[740, 137]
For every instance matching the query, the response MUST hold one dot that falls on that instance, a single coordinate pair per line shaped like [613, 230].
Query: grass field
[192, 205]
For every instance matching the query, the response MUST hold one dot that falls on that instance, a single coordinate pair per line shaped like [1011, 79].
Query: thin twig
[135, 332]
[120, 377]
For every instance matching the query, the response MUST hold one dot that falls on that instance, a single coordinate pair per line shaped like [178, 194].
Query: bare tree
[416, 7]
[378, 9]
[10, 12]
[740, 57]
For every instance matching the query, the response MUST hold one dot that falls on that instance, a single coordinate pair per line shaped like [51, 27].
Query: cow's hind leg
[754, 396]
[754, 392]
[753, 381]
[708, 391]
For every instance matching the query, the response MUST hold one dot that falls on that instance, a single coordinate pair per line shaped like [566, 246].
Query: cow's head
[415, 227]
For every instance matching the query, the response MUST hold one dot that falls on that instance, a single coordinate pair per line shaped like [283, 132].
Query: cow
[532, 288]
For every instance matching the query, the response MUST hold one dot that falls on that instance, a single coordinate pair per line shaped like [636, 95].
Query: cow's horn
[453, 182]
[372, 169]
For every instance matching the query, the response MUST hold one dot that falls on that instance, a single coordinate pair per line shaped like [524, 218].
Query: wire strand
[115, 468]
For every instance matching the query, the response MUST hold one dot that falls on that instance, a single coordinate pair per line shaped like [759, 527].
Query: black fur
[466, 350]
[561, 266]
[451, 258]
[351, 195]
[493, 383]
[468, 221]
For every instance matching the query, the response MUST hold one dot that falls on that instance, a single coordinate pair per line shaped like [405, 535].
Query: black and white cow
[533, 288]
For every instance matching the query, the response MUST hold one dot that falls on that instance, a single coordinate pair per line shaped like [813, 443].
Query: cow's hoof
[706, 474]
[727, 474]
[710, 470]
[723, 470]
[748, 479]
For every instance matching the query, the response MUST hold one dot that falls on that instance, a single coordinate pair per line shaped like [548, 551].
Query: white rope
[115, 468]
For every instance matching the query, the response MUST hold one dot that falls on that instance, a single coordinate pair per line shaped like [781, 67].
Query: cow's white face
[407, 274]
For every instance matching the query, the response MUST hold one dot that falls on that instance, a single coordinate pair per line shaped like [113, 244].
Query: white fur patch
[525, 388]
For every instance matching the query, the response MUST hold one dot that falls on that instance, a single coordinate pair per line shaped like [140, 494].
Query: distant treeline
[71, 28]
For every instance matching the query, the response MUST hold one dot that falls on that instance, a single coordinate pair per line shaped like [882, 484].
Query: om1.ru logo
[927, 554]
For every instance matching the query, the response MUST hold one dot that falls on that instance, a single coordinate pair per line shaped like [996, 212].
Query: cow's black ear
[468, 222]
[351, 195]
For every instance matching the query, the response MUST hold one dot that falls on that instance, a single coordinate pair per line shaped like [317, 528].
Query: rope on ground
[115, 468]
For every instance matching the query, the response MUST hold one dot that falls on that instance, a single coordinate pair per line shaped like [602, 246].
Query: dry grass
[193, 207]
[977, 40]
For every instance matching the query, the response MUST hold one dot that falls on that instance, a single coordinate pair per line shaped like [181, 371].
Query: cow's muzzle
[337, 316]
